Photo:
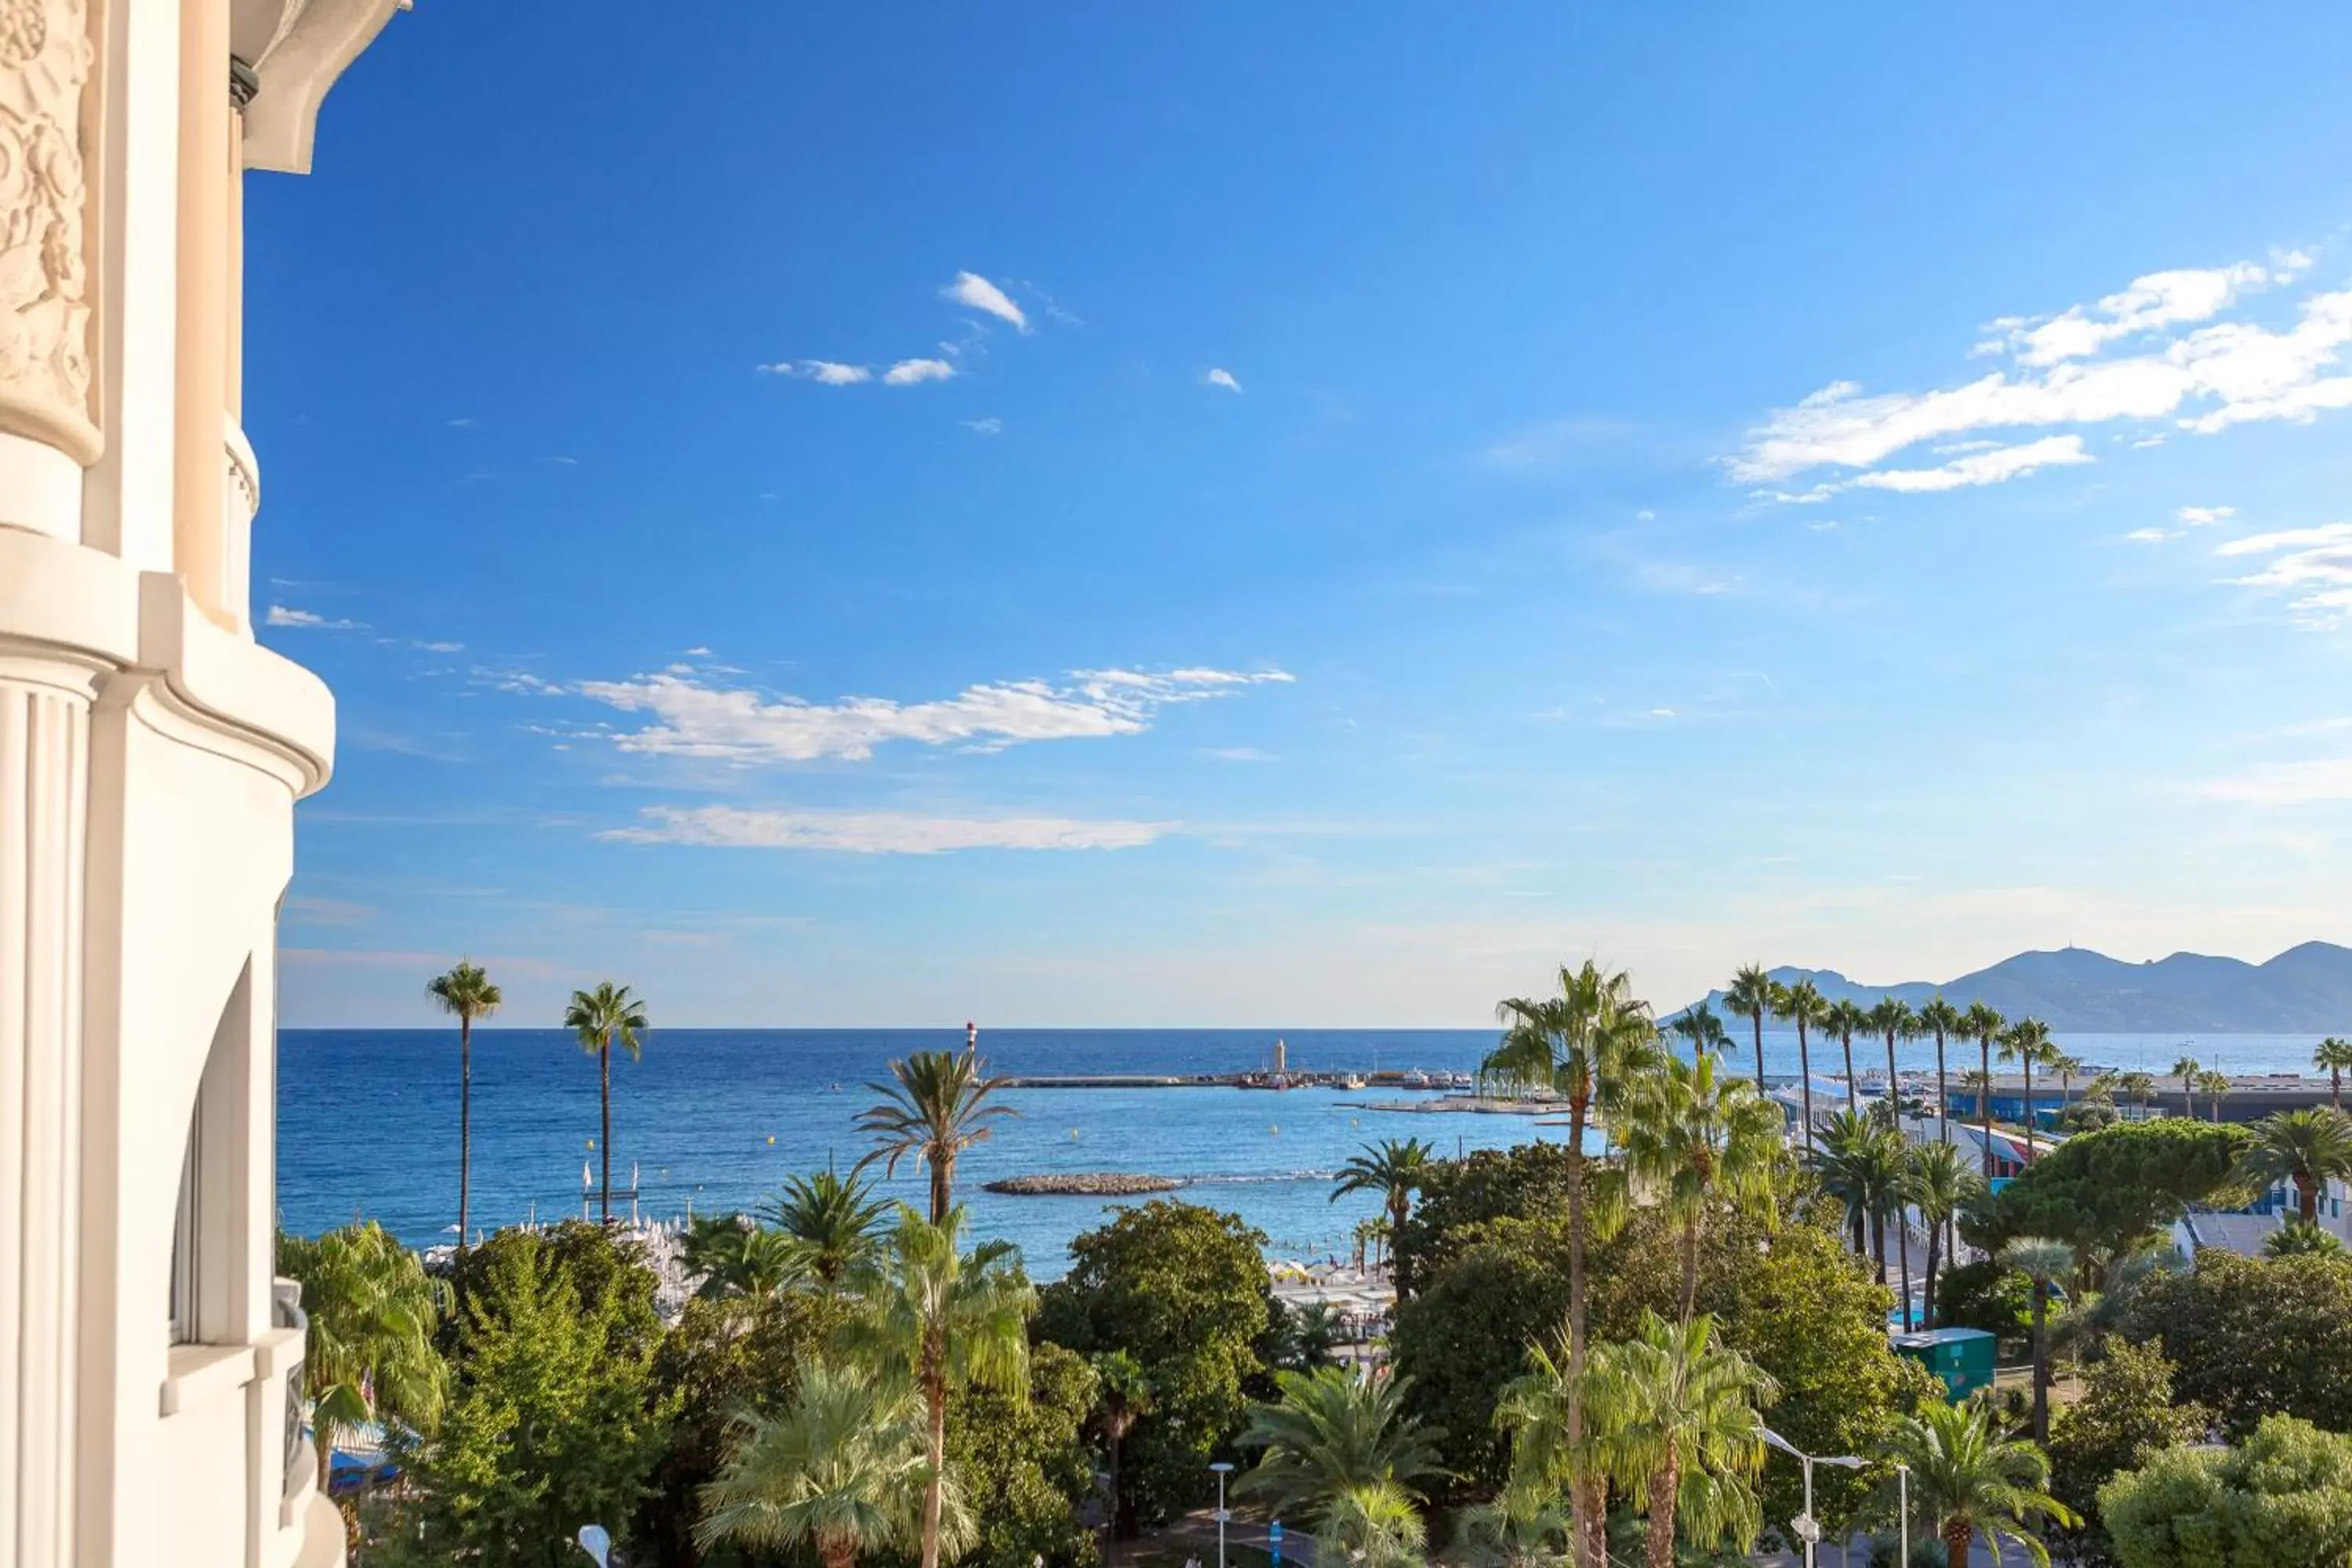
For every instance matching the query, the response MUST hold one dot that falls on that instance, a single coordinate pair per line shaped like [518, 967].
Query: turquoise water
[716, 1119]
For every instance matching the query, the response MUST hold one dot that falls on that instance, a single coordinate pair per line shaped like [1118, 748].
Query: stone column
[44, 719]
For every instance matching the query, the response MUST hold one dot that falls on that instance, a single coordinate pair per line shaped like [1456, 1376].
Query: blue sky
[1306, 514]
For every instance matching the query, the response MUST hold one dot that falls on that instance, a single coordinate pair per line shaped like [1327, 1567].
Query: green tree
[2216, 1086]
[2188, 1070]
[1750, 996]
[1331, 1433]
[1940, 1183]
[1845, 1019]
[2103, 1192]
[1986, 1294]
[1182, 1289]
[944, 1319]
[1586, 1044]
[1984, 1025]
[1126, 1398]
[601, 1019]
[2127, 1414]
[1394, 1168]
[2298, 1238]
[839, 1469]
[466, 994]
[551, 1426]
[1941, 1019]
[1022, 1460]
[1700, 1028]
[1675, 1419]
[2251, 1337]
[2027, 1043]
[603, 1265]
[1371, 1527]
[736, 1257]
[2307, 1148]
[1971, 1481]
[372, 1312]
[938, 1105]
[2285, 1498]
[2332, 1056]
[2043, 1261]
[1858, 1163]
[725, 1359]
[1803, 1006]
[834, 1219]
[1525, 1526]
[1694, 1140]
[1457, 1195]
[2139, 1087]
[1891, 1018]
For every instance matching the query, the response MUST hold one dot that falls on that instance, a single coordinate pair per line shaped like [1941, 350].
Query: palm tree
[1750, 996]
[2215, 1084]
[1970, 1479]
[1371, 1527]
[1983, 1024]
[839, 1471]
[939, 1107]
[2065, 1067]
[2298, 1238]
[602, 1018]
[943, 1319]
[2026, 1042]
[1803, 1006]
[1701, 1028]
[1941, 1019]
[2188, 1069]
[2333, 1054]
[465, 993]
[2139, 1087]
[1941, 1184]
[1334, 1431]
[2042, 1260]
[373, 1311]
[1126, 1394]
[1674, 1420]
[1586, 1044]
[1524, 1527]
[1696, 1138]
[1889, 1018]
[1846, 1165]
[1845, 1019]
[833, 1219]
[1394, 1169]
[736, 1257]
[2309, 1148]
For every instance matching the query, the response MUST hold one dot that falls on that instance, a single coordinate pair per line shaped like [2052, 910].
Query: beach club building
[151, 754]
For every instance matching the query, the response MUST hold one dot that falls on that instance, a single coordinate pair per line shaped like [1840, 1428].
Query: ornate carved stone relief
[46, 56]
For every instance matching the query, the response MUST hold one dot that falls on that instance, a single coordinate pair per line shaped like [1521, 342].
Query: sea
[715, 1119]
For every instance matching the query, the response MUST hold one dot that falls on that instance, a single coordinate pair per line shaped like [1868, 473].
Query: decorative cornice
[46, 57]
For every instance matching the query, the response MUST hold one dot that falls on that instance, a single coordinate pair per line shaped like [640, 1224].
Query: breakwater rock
[1084, 1184]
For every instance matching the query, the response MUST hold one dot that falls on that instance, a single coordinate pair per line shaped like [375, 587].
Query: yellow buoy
[1277, 1131]
[592, 1143]
[771, 1140]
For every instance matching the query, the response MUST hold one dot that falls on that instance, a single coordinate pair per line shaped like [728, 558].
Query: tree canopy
[2284, 1498]
[2254, 1337]
[2100, 1191]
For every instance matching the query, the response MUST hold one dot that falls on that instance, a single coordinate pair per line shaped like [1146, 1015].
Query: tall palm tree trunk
[1894, 1095]
[935, 1393]
[1902, 1251]
[1984, 1064]
[1928, 1303]
[2307, 1199]
[1943, 1094]
[1665, 1484]
[1758, 1020]
[1852, 1084]
[1690, 1268]
[1588, 1513]
[1805, 1080]
[2335, 1081]
[942, 1191]
[2025, 1059]
[604, 1143]
[1878, 1239]
[465, 1121]
[1958, 1537]
[2042, 1360]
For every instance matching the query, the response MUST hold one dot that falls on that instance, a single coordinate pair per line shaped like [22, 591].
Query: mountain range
[2305, 989]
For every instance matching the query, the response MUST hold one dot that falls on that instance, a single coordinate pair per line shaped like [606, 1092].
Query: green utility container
[1962, 1358]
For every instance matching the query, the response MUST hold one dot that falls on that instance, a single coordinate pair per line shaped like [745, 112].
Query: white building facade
[151, 754]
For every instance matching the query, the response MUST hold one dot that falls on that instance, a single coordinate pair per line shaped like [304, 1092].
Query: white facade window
[185, 1248]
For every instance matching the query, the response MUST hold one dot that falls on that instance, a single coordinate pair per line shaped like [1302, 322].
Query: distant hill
[2304, 989]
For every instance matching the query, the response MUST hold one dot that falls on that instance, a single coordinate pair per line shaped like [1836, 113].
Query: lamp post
[1223, 1468]
[1808, 1528]
[1903, 1508]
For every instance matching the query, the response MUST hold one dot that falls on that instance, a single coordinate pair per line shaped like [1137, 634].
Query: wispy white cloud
[286, 615]
[2203, 516]
[693, 719]
[971, 289]
[2308, 782]
[1217, 376]
[877, 832]
[909, 372]
[2151, 535]
[824, 372]
[991, 425]
[1981, 467]
[2315, 568]
[2284, 539]
[2207, 378]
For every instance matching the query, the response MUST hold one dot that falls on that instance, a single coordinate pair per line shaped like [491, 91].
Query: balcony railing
[287, 1308]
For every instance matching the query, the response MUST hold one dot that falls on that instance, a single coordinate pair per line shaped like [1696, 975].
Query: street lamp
[1808, 1528]
[1223, 1468]
[1903, 1507]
